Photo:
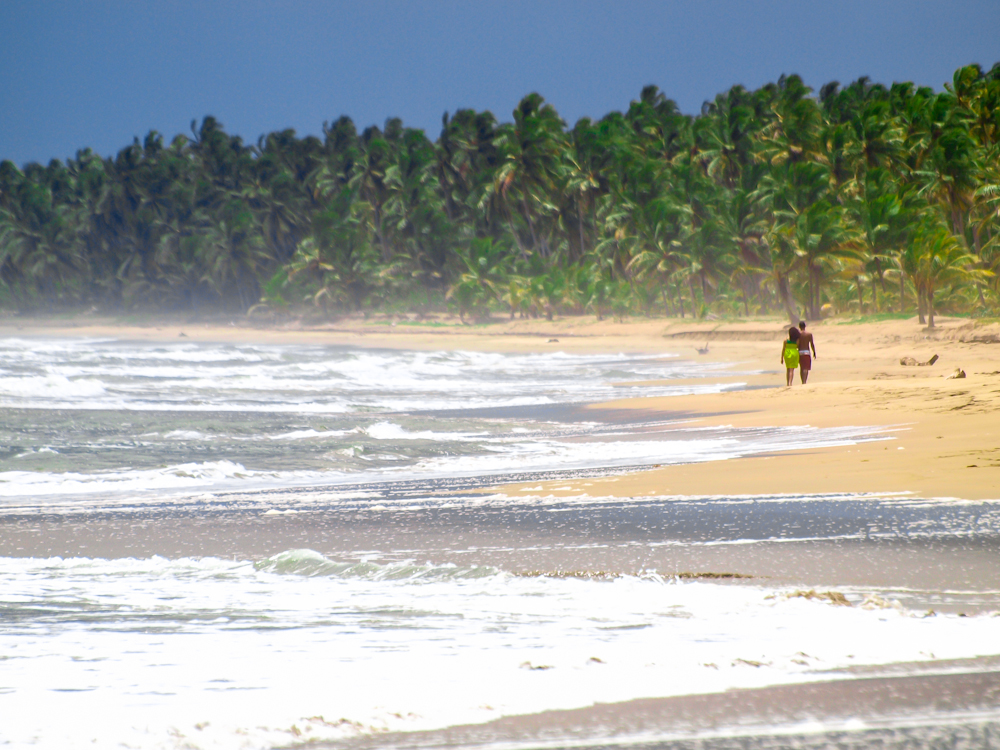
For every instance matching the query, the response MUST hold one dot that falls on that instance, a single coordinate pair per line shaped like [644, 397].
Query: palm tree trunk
[513, 231]
[381, 236]
[902, 291]
[956, 220]
[531, 225]
[817, 293]
[809, 293]
[786, 298]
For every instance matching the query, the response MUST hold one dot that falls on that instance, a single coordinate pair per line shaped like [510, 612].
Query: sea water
[221, 546]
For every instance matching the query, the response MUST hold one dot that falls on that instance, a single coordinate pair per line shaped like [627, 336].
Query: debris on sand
[874, 601]
[752, 663]
[606, 575]
[590, 575]
[958, 373]
[534, 667]
[911, 362]
[834, 597]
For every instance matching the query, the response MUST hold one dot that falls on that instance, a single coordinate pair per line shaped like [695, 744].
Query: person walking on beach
[790, 354]
[805, 359]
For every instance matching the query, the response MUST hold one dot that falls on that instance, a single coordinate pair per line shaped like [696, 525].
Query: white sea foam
[392, 431]
[607, 451]
[57, 387]
[186, 435]
[102, 374]
[307, 434]
[498, 454]
[192, 477]
[222, 654]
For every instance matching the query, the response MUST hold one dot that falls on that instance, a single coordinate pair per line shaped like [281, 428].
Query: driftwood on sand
[911, 362]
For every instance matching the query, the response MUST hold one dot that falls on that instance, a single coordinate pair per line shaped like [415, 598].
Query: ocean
[237, 546]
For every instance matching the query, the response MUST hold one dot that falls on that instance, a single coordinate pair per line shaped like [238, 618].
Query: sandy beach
[789, 597]
[945, 441]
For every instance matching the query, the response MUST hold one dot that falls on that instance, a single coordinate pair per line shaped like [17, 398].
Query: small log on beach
[911, 362]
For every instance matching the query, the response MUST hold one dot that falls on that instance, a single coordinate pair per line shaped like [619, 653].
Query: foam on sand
[234, 654]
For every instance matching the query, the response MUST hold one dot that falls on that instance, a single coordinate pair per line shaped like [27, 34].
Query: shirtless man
[805, 359]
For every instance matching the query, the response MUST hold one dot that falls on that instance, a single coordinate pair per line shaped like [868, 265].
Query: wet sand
[925, 558]
[959, 707]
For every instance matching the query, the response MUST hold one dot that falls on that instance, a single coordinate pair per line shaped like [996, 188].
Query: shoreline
[943, 438]
[938, 702]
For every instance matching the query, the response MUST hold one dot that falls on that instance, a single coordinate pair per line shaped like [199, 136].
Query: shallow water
[95, 420]
[238, 546]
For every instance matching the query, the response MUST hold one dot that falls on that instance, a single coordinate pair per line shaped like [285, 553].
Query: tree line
[865, 197]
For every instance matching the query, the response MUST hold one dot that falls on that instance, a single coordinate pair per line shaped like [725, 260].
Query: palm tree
[820, 235]
[771, 190]
[484, 278]
[369, 181]
[794, 135]
[725, 134]
[530, 169]
[936, 258]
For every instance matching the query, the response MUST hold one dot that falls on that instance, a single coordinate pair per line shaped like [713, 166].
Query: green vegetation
[872, 318]
[867, 199]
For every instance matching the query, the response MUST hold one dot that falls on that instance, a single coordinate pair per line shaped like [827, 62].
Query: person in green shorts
[790, 354]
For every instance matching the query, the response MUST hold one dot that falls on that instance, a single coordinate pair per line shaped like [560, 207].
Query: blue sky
[96, 73]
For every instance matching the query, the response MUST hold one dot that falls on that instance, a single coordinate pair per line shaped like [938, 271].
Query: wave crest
[307, 562]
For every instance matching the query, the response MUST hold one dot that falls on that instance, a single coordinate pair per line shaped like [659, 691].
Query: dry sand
[946, 433]
[946, 437]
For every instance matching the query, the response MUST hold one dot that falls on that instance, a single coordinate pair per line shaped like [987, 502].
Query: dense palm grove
[863, 198]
